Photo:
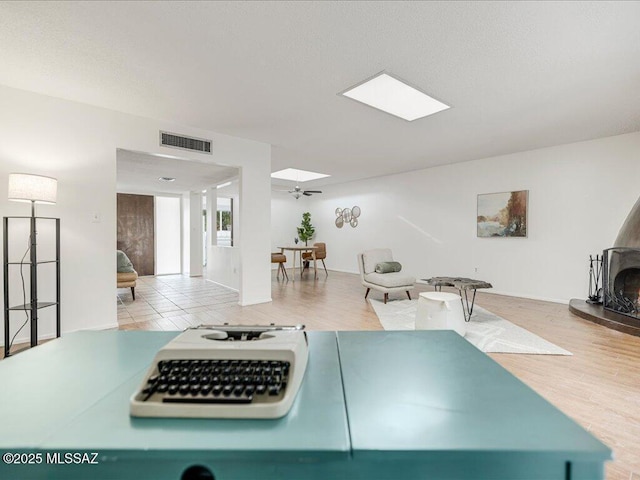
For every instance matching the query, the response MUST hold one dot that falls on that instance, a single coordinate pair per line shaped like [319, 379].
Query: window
[168, 235]
[224, 222]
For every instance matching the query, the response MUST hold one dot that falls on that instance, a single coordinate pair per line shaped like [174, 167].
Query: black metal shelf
[28, 306]
[33, 285]
[29, 263]
[21, 349]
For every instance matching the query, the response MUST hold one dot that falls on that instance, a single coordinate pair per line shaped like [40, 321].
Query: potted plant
[306, 230]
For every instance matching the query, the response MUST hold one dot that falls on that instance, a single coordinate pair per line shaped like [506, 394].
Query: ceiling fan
[297, 192]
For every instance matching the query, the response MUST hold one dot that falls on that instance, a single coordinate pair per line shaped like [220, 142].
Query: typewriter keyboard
[217, 381]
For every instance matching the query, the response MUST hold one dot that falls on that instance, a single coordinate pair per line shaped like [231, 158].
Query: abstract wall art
[503, 214]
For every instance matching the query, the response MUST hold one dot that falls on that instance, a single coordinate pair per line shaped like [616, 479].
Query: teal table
[373, 405]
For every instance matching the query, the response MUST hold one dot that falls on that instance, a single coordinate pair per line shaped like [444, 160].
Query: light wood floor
[599, 386]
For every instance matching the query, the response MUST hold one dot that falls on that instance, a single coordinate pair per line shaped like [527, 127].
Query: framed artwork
[503, 214]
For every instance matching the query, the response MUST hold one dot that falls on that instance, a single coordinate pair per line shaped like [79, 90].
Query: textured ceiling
[139, 173]
[518, 75]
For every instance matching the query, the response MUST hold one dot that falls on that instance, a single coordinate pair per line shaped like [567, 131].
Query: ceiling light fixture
[297, 175]
[394, 96]
[222, 185]
[167, 179]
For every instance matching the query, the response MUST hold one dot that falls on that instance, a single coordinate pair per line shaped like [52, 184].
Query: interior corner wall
[195, 234]
[254, 221]
[286, 216]
[77, 144]
[223, 262]
[579, 197]
[223, 266]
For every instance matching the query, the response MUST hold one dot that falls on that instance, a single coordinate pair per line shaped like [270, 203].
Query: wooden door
[136, 231]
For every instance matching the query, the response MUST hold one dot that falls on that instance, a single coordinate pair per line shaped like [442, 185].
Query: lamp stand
[33, 277]
[33, 305]
[33, 188]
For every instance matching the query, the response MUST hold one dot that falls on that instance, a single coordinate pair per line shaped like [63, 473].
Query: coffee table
[463, 285]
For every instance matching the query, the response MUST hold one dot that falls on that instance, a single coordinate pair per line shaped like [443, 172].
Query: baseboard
[51, 336]
[99, 327]
[27, 339]
[343, 271]
[255, 302]
[563, 301]
[223, 285]
[522, 295]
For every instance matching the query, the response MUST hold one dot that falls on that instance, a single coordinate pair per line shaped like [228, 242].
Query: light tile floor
[172, 302]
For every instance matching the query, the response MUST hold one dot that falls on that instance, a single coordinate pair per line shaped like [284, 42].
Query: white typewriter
[224, 371]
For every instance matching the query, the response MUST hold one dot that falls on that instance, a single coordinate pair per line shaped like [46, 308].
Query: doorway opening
[156, 194]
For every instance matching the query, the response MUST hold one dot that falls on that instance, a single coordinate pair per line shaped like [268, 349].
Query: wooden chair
[321, 254]
[280, 259]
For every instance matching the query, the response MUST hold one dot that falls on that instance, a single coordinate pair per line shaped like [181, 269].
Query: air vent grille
[185, 143]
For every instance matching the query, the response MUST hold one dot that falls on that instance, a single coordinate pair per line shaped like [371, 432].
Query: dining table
[299, 249]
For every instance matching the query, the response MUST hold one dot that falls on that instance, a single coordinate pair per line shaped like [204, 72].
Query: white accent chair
[383, 282]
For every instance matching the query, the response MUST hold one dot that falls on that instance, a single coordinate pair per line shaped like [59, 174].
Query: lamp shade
[24, 187]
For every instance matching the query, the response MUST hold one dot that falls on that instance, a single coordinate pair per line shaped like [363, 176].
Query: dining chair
[280, 259]
[321, 254]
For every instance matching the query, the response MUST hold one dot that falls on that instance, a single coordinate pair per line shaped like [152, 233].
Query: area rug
[487, 331]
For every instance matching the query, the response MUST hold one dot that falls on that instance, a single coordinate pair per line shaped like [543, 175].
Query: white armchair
[383, 282]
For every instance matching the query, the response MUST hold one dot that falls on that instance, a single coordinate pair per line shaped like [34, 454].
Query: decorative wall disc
[339, 222]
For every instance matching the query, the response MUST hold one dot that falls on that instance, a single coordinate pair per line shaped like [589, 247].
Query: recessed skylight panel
[297, 175]
[393, 96]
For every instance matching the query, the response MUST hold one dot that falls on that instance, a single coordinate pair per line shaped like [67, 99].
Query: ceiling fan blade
[307, 194]
[313, 191]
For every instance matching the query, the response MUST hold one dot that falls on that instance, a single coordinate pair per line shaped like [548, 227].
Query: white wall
[286, 216]
[579, 197]
[224, 262]
[195, 234]
[225, 270]
[254, 225]
[229, 266]
[77, 144]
